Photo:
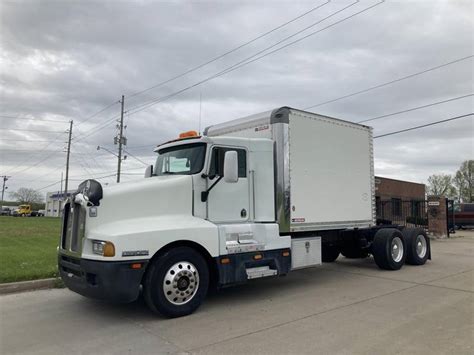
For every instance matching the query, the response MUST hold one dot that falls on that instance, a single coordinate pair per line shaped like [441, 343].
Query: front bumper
[113, 281]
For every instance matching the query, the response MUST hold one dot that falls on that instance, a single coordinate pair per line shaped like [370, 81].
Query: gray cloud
[67, 60]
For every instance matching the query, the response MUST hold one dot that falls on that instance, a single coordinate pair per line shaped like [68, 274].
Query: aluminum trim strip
[301, 227]
[280, 134]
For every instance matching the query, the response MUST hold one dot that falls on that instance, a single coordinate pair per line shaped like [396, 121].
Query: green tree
[441, 185]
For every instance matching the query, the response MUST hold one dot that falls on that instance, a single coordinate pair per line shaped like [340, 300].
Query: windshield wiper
[168, 173]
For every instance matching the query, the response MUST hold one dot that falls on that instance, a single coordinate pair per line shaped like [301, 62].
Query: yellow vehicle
[24, 210]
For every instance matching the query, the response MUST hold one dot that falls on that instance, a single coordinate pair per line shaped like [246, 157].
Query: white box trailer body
[324, 171]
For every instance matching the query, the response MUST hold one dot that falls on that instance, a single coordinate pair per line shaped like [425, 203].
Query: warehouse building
[55, 203]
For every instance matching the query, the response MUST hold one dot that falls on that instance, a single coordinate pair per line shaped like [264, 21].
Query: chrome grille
[74, 220]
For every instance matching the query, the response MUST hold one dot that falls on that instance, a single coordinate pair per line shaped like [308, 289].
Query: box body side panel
[331, 178]
[323, 167]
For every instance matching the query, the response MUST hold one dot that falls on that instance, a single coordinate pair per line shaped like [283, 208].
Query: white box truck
[255, 197]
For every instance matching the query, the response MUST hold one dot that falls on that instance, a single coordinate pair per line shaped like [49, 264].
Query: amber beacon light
[188, 134]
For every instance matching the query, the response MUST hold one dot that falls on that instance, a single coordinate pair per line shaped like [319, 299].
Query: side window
[217, 161]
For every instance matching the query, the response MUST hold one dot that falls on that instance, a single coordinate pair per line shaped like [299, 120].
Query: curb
[33, 285]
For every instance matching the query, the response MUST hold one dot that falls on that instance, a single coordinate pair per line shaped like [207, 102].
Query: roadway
[346, 307]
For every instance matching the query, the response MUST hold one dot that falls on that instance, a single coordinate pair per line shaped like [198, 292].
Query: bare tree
[26, 195]
[460, 185]
[464, 181]
[441, 185]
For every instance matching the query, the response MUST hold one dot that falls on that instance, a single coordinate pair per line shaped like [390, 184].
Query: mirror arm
[205, 194]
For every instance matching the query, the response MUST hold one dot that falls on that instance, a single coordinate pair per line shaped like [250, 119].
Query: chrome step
[261, 271]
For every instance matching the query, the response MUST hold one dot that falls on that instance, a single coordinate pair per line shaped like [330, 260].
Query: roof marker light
[188, 134]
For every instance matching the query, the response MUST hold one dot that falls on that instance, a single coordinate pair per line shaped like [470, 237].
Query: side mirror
[231, 167]
[149, 171]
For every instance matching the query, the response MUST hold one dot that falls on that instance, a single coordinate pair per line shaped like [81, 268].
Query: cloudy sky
[68, 60]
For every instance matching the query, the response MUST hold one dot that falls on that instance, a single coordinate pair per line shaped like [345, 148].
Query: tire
[178, 273]
[389, 249]
[418, 246]
[329, 253]
[353, 253]
[23, 215]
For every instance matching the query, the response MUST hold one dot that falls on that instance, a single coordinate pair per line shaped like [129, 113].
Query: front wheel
[177, 282]
[389, 249]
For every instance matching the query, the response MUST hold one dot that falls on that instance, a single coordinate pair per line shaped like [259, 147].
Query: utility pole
[5, 178]
[61, 195]
[67, 159]
[121, 141]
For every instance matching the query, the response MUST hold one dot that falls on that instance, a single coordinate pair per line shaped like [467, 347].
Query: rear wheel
[329, 253]
[388, 249]
[418, 246]
[177, 282]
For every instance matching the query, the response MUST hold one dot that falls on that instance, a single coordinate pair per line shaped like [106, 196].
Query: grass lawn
[28, 248]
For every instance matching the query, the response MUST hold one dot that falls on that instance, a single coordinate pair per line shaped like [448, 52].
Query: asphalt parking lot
[347, 307]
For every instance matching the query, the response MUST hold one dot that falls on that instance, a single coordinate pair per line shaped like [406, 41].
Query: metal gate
[405, 213]
[450, 216]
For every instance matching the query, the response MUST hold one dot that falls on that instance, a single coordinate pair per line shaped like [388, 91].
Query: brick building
[397, 200]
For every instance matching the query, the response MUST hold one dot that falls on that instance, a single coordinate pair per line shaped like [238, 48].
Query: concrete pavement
[346, 307]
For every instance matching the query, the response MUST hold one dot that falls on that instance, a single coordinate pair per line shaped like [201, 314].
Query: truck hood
[155, 196]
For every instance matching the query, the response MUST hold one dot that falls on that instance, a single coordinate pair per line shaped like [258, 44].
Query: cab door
[228, 202]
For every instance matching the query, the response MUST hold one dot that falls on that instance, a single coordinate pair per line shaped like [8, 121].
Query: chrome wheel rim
[397, 249]
[421, 246]
[181, 283]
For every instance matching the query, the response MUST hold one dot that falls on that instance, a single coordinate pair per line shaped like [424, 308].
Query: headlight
[100, 247]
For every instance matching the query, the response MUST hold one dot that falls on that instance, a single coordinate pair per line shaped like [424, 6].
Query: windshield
[185, 159]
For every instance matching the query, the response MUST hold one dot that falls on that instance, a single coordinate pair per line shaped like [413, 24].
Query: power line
[110, 121]
[24, 140]
[95, 129]
[134, 157]
[31, 156]
[57, 182]
[33, 119]
[389, 82]
[415, 108]
[229, 51]
[97, 113]
[92, 131]
[35, 151]
[154, 101]
[45, 187]
[37, 163]
[248, 60]
[425, 125]
[31, 130]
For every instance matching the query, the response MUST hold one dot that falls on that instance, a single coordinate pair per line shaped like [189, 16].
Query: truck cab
[250, 198]
[211, 195]
[24, 210]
